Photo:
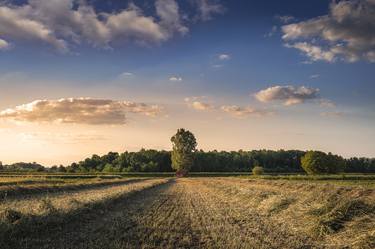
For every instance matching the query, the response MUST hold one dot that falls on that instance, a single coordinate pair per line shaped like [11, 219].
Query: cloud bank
[201, 104]
[242, 112]
[347, 33]
[63, 23]
[79, 111]
[289, 95]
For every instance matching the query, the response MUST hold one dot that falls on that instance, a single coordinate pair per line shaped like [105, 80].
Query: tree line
[148, 160]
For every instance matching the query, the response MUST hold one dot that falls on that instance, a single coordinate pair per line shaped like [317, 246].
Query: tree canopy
[184, 146]
[317, 162]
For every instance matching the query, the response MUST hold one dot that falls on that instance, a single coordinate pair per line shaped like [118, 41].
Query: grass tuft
[10, 216]
[337, 215]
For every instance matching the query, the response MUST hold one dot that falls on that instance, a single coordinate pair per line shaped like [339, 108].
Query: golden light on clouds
[79, 111]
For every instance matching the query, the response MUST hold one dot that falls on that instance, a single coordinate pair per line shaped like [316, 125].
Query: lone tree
[184, 146]
[317, 162]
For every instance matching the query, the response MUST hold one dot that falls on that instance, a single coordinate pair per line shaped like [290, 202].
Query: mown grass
[22, 227]
[47, 187]
[193, 212]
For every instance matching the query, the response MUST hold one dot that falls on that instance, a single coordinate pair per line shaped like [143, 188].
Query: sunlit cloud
[242, 112]
[79, 111]
[347, 33]
[63, 24]
[199, 103]
[4, 45]
[288, 95]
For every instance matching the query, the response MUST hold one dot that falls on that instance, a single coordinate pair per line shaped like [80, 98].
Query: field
[43, 211]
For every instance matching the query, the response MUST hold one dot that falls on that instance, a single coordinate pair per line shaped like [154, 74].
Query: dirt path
[183, 213]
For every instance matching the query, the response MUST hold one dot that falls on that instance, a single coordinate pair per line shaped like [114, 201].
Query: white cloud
[315, 53]
[16, 23]
[289, 95]
[4, 45]
[242, 112]
[126, 74]
[285, 19]
[168, 12]
[347, 33]
[272, 32]
[314, 76]
[224, 57]
[78, 111]
[175, 78]
[62, 23]
[208, 8]
[327, 103]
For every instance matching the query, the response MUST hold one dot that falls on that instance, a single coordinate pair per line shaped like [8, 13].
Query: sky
[82, 77]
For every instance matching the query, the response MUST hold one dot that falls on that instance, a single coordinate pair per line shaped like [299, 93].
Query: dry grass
[194, 213]
[13, 188]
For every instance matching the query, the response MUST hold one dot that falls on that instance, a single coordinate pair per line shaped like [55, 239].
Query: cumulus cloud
[62, 23]
[347, 33]
[168, 12]
[315, 53]
[17, 23]
[202, 106]
[78, 111]
[199, 103]
[175, 78]
[208, 8]
[289, 95]
[4, 45]
[242, 112]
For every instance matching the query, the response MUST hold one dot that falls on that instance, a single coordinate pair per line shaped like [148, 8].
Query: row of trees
[184, 158]
[287, 161]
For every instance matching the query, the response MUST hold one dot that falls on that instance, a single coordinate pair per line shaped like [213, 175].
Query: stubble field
[222, 212]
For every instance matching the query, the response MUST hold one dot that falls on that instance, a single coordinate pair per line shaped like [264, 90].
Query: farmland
[194, 212]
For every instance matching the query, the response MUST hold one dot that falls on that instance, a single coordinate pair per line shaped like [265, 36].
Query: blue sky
[245, 65]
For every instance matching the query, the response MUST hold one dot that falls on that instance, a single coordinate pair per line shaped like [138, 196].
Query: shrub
[257, 170]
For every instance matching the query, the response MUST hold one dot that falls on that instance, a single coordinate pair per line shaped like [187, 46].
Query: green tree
[317, 162]
[184, 146]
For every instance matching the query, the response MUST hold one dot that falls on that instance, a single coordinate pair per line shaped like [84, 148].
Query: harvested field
[193, 213]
